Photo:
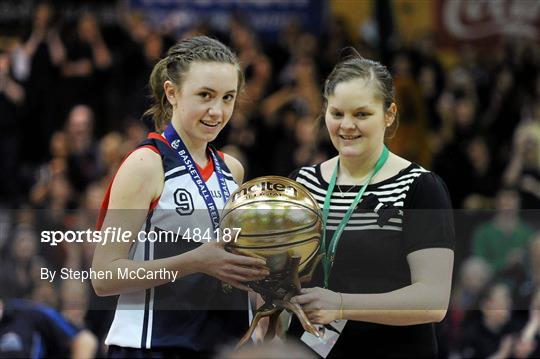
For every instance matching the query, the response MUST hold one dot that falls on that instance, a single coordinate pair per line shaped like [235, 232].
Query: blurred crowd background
[73, 88]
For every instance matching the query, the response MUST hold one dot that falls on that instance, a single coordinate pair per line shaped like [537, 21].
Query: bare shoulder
[139, 180]
[236, 168]
[398, 163]
[393, 166]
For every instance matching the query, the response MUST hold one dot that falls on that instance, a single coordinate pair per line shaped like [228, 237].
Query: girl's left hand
[320, 305]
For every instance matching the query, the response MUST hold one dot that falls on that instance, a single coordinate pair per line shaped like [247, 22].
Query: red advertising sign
[484, 21]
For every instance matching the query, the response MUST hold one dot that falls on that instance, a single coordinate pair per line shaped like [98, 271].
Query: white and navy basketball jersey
[193, 312]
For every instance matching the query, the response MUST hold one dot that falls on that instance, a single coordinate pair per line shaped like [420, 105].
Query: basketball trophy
[279, 221]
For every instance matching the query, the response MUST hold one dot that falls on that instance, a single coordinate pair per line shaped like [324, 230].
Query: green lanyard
[330, 253]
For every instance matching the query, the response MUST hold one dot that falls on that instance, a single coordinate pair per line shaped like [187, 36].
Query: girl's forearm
[417, 303]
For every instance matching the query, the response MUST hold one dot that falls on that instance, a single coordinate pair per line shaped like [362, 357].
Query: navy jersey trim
[144, 335]
[176, 174]
[230, 178]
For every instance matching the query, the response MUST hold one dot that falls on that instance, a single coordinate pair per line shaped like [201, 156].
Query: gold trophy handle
[306, 323]
[272, 325]
[264, 311]
[276, 306]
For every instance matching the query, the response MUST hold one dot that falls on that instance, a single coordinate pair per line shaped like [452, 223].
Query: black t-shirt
[32, 330]
[405, 213]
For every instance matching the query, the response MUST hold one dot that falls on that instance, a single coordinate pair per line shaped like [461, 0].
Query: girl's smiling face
[356, 119]
[205, 101]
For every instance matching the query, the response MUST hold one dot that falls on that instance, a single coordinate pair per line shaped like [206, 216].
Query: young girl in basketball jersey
[172, 301]
[389, 236]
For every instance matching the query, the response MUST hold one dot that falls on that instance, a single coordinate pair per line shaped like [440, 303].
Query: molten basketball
[278, 219]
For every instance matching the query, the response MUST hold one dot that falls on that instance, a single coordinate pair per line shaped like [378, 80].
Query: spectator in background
[474, 275]
[428, 80]
[112, 149]
[246, 130]
[281, 50]
[85, 307]
[295, 142]
[29, 329]
[459, 115]
[478, 71]
[74, 296]
[84, 217]
[83, 160]
[284, 138]
[300, 90]
[135, 132]
[523, 170]
[430, 76]
[53, 193]
[413, 115]
[19, 267]
[507, 95]
[56, 213]
[299, 96]
[503, 240]
[338, 38]
[300, 79]
[148, 50]
[482, 176]
[87, 59]
[488, 331]
[45, 292]
[87, 215]
[527, 344]
[256, 66]
[531, 125]
[306, 152]
[55, 167]
[527, 281]
[12, 97]
[46, 53]
[464, 160]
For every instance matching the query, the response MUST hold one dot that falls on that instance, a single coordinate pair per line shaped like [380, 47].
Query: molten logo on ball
[258, 188]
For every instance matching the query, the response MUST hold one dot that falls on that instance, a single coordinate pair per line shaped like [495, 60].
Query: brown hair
[176, 64]
[355, 66]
